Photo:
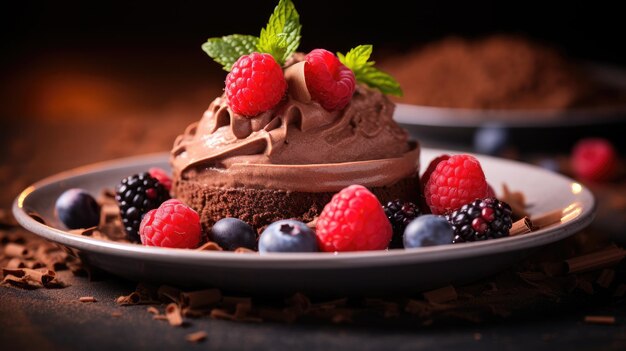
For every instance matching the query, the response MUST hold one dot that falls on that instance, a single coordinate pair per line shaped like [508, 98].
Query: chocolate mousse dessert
[290, 131]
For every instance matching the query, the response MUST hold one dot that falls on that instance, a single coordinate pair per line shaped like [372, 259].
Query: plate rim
[318, 260]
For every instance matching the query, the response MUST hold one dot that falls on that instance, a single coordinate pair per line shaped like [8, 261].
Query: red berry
[454, 182]
[594, 159]
[353, 220]
[173, 224]
[255, 84]
[329, 81]
[162, 176]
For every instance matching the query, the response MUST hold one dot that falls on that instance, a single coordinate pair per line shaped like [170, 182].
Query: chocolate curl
[19, 282]
[173, 314]
[15, 263]
[600, 259]
[200, 299]
[132, 299]
[243, 250]
[168, 293]
[16, 250]
[441, 295]
[294, 75]
[522, 226]
[608, 320]
[516, 200]
[153, 310]
[87, 299]
[84, 231]
[210, 246]
[547, 219]
[43, 277]
[196, 337]
[109, 211]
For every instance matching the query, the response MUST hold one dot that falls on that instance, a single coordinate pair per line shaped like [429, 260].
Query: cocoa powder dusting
[497, 72]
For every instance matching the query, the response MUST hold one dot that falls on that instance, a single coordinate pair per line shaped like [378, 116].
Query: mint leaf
[281, 37]
[357, 60]
[228, 49]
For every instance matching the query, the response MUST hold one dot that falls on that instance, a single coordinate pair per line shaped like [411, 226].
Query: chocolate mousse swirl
[298, 146]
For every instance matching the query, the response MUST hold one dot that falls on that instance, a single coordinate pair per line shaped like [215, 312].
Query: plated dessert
[300, 154]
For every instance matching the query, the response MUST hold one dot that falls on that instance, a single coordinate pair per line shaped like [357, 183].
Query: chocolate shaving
[173, 314]
[87, 299]
[606, 257]
[153, 310]
[84, 231]
[547, 219]
[219, 313]
[210, 246]
[131, 299]
[243, 250]
[15, 263]
[522, 226]
[196, 337]
[608, 320]
[515, 199]
[441, 295]
[160, 317]
[200, 299]
[116, 314]
[19, 282]
[606, 278]
[16, 250]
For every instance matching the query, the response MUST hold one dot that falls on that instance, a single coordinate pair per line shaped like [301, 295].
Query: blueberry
[233, 233]
[428, 230]
[287, 236]
[491, 139]
[77, 209]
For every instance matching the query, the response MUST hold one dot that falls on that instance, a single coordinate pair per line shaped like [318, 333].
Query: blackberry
[400, 214]
[136, 195]
[479, 220]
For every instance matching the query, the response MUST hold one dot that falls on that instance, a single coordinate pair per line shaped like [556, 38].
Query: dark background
[589, 30]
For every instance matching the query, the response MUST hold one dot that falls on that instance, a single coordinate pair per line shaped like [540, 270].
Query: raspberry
[453, 182]
[353, 220]
[255, 84]
[173, 224]
[594, 159]
[329, 81]
[481, 220]
[162, 176]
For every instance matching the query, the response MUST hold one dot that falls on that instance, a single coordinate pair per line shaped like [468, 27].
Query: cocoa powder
[497, 72]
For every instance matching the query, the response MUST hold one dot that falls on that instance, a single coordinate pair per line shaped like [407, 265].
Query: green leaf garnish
[228, 49]
[357, 60]
[281, 37]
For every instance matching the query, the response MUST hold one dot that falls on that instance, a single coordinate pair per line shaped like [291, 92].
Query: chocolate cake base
[260, 207]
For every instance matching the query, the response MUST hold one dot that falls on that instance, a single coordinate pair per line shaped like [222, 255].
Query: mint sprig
[281, 37]
[357, 60]
[228, 49]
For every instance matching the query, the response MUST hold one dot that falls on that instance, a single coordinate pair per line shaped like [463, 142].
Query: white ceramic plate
[319, 273]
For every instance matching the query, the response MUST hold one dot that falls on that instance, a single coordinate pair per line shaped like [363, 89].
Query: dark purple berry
[233, 233]
[400, 214]
[481, 220]
[77, 209]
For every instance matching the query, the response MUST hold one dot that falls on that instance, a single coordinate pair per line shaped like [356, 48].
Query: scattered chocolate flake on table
[196, 337]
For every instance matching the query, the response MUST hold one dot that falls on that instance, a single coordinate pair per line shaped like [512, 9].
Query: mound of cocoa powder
[497, 72]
